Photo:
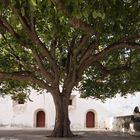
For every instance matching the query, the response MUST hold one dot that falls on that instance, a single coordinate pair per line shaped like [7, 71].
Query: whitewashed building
[84, 113]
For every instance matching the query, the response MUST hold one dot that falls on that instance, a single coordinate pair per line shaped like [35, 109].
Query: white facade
[13, 114]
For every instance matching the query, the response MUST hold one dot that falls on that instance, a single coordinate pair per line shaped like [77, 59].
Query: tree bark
[62, 122]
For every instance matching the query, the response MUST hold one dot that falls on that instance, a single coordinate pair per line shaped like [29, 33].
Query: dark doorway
[90, 119]
[40, 119]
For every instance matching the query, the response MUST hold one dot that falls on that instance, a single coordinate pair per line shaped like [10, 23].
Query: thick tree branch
[61, 6]
[73, 21]
[90, 59]
[81, 45]
[75, 71]
[33, 35]
[106, 71]
[102, 68]
[24, 76]
[9, 28]
[113, 71]
[115, 46]
[69, 81]
[44, 72]
[119, 69]
[130, 38]
[53, 47]
[82, 25]
[87, 54]
[32, 20]
[70, 54]
[35, 39]
[11, 50]
[5, 25]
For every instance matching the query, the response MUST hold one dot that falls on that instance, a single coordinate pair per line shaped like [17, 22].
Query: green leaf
[97, 14]
[33, 2]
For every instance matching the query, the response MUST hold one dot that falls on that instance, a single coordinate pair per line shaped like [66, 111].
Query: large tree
[46, 44]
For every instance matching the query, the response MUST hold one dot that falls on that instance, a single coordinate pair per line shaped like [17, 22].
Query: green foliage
[111, 20]
[100, 85]
[17, 90]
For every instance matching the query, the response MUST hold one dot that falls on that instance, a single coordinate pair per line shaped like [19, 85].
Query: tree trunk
[62, 122]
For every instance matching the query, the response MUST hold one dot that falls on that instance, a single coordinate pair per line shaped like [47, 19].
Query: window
[70, 101]
[21, 102]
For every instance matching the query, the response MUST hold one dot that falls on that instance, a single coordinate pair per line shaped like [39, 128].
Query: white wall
[6, 111]
[78, 115]
[123, 106]
[24, 115]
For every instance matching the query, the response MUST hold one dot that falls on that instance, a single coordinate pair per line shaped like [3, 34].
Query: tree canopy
[118, 71]
[70, 35]
[48, 43]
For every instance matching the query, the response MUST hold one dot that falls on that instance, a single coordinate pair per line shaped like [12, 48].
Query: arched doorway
[40, 119]
[90, 119]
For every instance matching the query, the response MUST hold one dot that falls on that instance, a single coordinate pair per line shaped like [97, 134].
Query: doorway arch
[40, 119]
[90, 119]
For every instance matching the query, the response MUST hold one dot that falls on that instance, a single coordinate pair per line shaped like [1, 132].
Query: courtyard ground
[40, 134]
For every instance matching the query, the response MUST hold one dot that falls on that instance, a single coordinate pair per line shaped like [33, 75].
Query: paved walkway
[40, 134]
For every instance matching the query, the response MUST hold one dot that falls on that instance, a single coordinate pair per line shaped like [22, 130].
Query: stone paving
[41, 134]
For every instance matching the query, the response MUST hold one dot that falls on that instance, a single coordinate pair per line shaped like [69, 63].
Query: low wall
[122, 123]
